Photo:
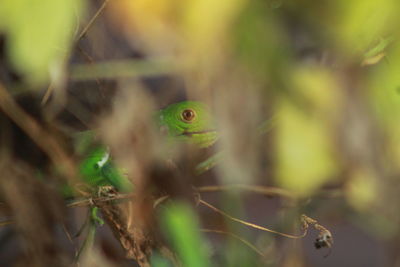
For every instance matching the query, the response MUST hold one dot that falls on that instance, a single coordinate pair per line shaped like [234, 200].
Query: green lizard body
[187, 121]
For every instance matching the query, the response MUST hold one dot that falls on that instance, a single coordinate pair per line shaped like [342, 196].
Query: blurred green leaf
[304, 162]
[305, 152]
[361, 190]
[39, 34]
[359, 23]
[260, 42]
[206, 21]
[379, 47]
[182, 230]
[384, 96]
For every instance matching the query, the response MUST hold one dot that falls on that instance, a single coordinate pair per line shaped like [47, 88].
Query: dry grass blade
[90, 201]
[251, 224]
[247, 243]
[92, 20]
[265, 190]
[123, 69]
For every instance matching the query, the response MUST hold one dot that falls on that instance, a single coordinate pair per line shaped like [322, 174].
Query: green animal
[187, 121]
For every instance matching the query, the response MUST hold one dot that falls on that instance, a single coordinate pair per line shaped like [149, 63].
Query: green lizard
[187, 121]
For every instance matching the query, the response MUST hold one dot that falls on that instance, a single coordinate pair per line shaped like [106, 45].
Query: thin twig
[80, 36]
[123, 69]
[99, 11]
[90, 201]
[47, 95]
[159, 200]
[90, 60]
[251, 224]
[265, 190]
[247, 243]
[67, 233]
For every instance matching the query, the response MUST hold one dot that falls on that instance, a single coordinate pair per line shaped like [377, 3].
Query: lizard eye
[188, 115]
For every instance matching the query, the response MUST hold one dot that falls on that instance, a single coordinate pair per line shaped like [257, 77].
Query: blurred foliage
[40, 35]
[325, 71]
[180, 224]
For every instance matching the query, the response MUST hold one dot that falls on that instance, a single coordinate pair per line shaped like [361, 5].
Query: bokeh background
[324, 76]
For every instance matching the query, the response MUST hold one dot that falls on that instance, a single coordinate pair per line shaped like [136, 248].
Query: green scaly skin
[98, 170]
[200, 130]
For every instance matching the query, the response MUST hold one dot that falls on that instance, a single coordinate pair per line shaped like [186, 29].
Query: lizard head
[189, 120]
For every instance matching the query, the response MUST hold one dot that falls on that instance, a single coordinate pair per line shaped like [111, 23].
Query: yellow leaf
[361, 189]
[304, 146]
[360, 22]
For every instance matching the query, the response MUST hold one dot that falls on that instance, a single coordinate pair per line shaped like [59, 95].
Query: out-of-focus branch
[39, 135]
[122, 69]
[90, 201]
[265, 190]
[247, 243]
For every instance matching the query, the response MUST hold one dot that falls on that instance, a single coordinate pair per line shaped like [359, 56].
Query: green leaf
[182, 229]
[39, 35]
[361, 22]
[384, 97]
